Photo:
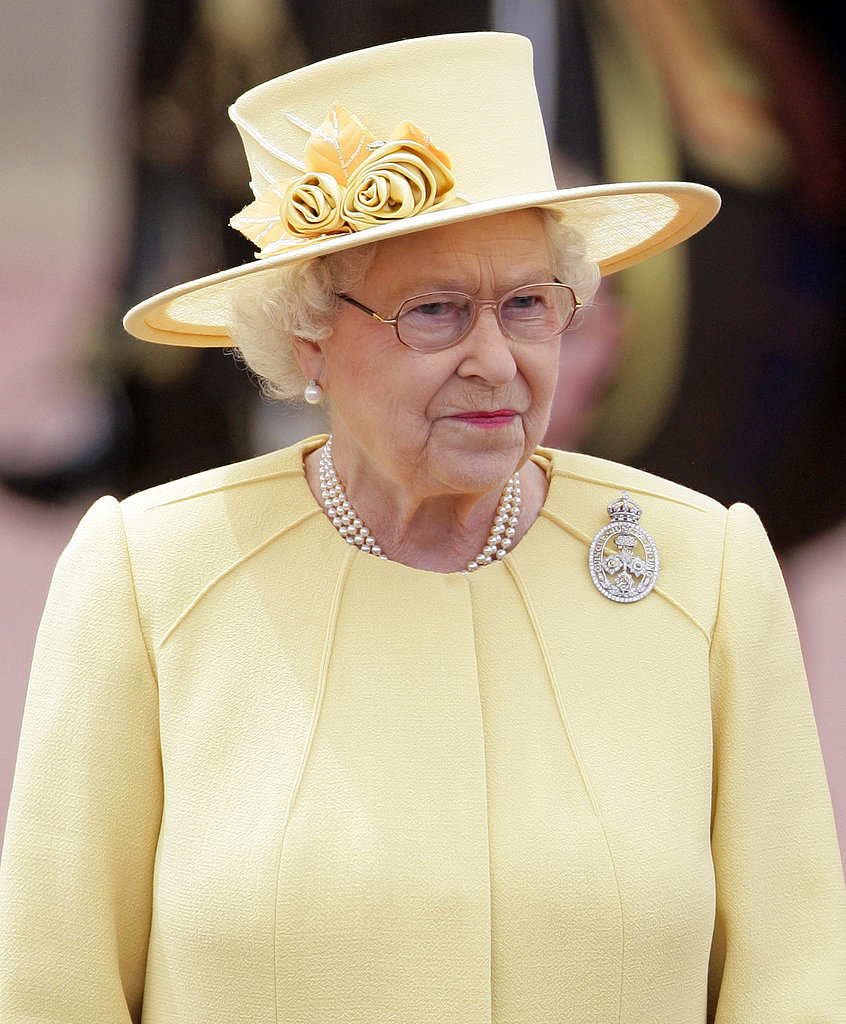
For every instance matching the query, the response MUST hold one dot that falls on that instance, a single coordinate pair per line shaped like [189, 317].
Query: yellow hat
[401, 138]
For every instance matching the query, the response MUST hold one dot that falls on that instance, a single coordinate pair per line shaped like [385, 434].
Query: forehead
[512, 247]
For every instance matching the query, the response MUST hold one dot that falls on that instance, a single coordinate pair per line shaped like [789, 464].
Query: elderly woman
[419, 721]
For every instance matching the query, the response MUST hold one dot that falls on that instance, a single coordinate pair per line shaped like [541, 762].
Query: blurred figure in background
[65, 218]
[749, 323]
[191, 409]
[116, 170]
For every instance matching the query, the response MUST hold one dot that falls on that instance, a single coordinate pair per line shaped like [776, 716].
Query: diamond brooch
[623, 559]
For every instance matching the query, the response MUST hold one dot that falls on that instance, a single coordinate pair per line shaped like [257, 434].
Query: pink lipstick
[488, 419]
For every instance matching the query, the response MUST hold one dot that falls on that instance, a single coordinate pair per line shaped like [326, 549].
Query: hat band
[352, 181]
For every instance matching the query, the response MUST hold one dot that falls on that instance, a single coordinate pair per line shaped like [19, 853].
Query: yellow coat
[264, 777]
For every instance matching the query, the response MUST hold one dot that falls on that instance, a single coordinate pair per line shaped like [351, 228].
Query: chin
[479, 471]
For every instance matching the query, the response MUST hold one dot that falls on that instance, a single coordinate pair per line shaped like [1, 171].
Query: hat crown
[473, 94]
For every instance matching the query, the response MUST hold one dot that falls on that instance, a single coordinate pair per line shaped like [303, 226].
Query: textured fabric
[264, 777]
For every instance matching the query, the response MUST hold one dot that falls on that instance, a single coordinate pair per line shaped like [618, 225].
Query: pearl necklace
[349, 524]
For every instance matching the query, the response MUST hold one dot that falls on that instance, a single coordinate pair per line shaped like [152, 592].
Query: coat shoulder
[597, 474]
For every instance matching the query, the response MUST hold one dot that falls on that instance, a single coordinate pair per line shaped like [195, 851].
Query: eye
[434, 309]
[525, 303]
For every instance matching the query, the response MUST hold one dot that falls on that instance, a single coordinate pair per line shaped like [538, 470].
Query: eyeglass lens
[439, 319]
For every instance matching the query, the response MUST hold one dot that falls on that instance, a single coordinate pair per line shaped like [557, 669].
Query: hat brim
[622, 224]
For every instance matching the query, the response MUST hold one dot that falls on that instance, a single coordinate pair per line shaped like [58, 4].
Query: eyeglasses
[439, 320]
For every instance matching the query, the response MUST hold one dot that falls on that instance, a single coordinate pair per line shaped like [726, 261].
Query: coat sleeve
[779, 950]
[77, 867]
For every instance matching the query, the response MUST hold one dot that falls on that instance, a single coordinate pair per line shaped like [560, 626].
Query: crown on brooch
[625, 509]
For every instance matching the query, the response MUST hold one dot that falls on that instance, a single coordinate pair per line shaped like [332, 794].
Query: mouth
[488, 419]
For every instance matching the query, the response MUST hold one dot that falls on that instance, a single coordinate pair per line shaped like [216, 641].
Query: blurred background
[720, 364]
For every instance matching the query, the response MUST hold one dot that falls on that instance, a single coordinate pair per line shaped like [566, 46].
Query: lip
[489, 419]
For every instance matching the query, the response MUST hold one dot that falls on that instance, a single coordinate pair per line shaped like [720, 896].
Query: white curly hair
[301, 302]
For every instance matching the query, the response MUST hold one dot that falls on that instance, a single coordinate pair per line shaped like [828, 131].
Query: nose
[486, 352]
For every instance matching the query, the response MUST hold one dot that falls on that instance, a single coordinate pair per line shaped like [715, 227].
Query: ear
[309, 356]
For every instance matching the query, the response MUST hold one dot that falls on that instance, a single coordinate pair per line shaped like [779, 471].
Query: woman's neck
[438, 532]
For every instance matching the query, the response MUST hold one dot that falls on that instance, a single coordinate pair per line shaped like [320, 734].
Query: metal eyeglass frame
[478, 305]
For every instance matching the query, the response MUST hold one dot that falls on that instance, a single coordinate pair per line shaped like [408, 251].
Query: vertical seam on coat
[317, 706]
[713, 631]
[547, 661]
[712, 695]
[487, 810]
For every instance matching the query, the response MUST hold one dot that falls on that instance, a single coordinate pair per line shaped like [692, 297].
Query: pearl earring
[313, 392]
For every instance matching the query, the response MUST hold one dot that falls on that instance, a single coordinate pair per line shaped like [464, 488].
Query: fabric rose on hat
[313, 205]
[401, 179]
[309, 206]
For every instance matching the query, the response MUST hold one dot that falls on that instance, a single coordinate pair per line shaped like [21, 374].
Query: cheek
[435, 383]
[356, 361]
[392, 387]
[541, 374]
[419, 385]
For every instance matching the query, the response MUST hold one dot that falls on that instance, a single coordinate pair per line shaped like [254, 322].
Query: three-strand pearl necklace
[349, 524]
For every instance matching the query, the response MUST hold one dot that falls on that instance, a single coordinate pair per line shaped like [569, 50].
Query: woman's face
[458, 421]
